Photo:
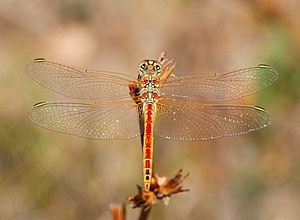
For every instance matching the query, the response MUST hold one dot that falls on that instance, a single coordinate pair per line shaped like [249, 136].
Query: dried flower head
[161, 189]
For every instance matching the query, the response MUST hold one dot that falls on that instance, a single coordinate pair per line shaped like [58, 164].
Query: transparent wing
[96, 121]
[80, 84]
[202, 122]
[219, 87]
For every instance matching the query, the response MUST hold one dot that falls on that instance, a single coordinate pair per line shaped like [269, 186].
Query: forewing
[202, 122]
[96, 121]
[219, 87]
[79, 84]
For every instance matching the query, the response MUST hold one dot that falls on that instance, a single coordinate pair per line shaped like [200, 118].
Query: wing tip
[30, 66]
[39, 104]
[259, 108]
[263, 65]
[266, 66]
[39, 59]
[269, 69]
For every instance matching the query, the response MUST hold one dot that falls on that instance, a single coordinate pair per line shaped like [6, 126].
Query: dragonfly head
[149, 68]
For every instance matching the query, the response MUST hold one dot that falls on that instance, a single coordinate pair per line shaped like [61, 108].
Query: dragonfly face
[149, 68]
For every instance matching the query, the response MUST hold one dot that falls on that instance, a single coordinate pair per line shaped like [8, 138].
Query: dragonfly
[110, 106]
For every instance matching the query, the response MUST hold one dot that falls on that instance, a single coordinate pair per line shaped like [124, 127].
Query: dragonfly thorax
[149, 92]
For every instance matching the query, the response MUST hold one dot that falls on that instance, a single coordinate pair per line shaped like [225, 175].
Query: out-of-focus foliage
[46, 175]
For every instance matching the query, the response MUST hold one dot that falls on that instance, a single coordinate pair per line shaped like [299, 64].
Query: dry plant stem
[118, 211]
[145, 211]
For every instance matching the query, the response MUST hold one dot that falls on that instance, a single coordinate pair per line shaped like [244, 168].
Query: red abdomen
[148, 145]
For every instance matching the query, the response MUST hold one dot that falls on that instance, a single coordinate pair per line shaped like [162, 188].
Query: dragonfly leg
[162, 57]
[167, 70]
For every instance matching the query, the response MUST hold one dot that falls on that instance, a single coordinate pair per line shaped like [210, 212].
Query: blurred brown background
[47, 175]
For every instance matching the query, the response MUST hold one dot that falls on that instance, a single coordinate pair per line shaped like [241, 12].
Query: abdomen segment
[148, 145]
